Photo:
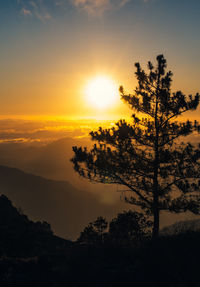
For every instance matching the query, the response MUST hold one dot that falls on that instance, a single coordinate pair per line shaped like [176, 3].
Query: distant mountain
[51, 160]
[182, 227]
[21, 237]
[66, 208]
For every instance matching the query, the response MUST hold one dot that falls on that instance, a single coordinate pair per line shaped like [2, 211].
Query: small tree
[144, 155]
[94, 232]
[129, 226]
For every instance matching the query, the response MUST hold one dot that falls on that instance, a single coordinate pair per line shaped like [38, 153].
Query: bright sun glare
[102, 92]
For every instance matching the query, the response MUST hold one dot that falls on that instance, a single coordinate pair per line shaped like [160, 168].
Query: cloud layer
[41, 8]
[97, 7]
[36, 8]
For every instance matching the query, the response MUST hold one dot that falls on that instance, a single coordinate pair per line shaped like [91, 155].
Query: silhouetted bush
[94, 232]
[129, 227]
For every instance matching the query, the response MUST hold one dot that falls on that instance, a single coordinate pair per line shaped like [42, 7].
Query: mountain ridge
[65, 207]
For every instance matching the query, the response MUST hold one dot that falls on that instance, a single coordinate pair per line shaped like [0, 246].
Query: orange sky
[49, 52]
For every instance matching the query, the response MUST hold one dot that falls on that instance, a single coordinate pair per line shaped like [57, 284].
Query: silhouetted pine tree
[144, 155]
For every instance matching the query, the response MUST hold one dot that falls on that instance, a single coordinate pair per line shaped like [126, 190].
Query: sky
[52, 49]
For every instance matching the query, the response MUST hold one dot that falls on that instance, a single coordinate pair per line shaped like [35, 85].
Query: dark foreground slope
[66, 208]
[23, 238]
[170, 262]
[31, 255]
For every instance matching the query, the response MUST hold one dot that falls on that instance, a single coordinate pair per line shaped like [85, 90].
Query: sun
[101, 92]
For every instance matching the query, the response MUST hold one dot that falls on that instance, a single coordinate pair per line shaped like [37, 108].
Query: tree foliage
[94, 231]
[146, 155]
[129, 227]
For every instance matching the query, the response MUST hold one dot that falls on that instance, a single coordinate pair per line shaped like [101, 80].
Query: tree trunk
[156, 221]
[155, 233]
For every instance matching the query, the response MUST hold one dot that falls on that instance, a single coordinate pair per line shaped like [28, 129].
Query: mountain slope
[21, 237]
[66, 208]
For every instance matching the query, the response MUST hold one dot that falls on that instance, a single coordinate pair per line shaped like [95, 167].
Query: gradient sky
[51, 48]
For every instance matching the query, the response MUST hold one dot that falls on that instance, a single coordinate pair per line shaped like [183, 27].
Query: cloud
[98, 7]
[26, 12]
[36, 8]
[41, 8]
[41, 131]
[92, 6]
